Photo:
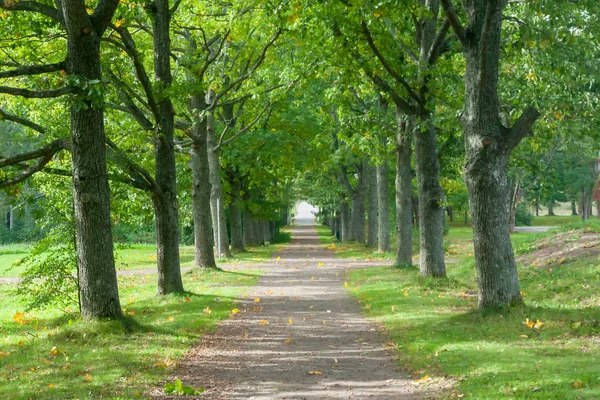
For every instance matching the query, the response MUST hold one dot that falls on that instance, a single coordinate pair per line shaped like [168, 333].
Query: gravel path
[304, 339]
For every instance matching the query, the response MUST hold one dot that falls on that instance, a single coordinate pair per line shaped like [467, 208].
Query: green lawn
[440, 334]
[51, 355]
[142, 256]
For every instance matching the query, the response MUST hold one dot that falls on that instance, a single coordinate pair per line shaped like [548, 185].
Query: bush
[524, 216]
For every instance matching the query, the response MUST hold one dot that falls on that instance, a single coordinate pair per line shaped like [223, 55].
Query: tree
[97, 276]
[488, 144]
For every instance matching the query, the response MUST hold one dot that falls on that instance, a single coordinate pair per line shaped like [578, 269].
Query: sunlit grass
[439, 332]
[55, 355]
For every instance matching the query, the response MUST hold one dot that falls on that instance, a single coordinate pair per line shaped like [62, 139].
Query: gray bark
[216, 194]
[551, 208]
[165, 202]
[345, 222]
[235, 219]
[358, 197]
[488, 145]
[403, 194]
[431, 210]
[383, 201]
[203, 246]
[98, 291]
[372, 210]
[252, 230]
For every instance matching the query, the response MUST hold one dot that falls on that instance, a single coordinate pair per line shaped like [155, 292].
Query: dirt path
[304, 339]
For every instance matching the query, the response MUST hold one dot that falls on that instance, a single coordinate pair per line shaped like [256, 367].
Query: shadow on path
[298, 335]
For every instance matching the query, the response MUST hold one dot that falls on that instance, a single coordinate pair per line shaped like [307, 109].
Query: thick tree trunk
[203, 246]
[586, 201]
[488, 145]
[166, 205]
[217, 204]
[403, 194]
[415, 211]
[345, 221]
[431, 210]
[252, 230]
[98, 291]
[573, 207]
[372, 210]
[449, 210]
[383, 202]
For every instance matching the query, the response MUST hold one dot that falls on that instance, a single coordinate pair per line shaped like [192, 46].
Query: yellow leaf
[288, 341]
[53, 351]
[88, 378]
[269, 292]
[263, 322]
[315, 373]
[291, 322]
[18, 318]
[320, 264]
[187, 299]
[346, 285]
[207, 310]
[3, 354]
[235, 311]
[423, 379]
[119, 22]
[404, 292]
[170, 319]
[257, 300]
[51, 386]
[278, 259]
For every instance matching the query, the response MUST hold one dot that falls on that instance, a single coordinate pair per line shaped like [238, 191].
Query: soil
[562, 248]
[304, 339]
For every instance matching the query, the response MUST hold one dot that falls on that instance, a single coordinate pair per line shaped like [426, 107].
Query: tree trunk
[449, 210]
[515, 196]
[166, 206]
[203, 246]
[551, 208]
[357, 221]
[217, 204]
[431, 210]
[573, 207]
[235, 219]
[488, 145]
[467, 216]
[345, 221]
[537, 206]
[98, 291]
[372, 210]
[586, 201]
[383, 201]
[403, 193]
[415, 211]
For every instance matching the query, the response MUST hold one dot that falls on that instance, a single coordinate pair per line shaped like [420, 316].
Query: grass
[556, 220]
[440, 334]
[143, 256]
[52, 355]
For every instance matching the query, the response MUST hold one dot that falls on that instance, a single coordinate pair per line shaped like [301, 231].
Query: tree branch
[103, 15]
[37, 94]
[520, 129]
[33, 70]
[136, 172]
[452, 17]
[387, 66]
[22, 121]
[241, 131]
[33, 6]
[438, 44]
[51, 148]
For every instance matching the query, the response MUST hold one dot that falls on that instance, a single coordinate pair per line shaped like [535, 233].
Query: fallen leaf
[288, 341]
[51, 386]
[315, 373]
[207, 310]
[257, 300]
[88, 378]
[425, 378]
[576, 384]
[235, 311]
[263, 322]
[291, 322]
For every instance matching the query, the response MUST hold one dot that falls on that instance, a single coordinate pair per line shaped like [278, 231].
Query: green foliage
[178, 388]
[524, 216]
[50, 271]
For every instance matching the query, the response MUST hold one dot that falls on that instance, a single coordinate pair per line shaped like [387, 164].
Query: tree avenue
[203, 124]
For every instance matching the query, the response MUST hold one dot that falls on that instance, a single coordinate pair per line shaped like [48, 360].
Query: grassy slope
[440, 334]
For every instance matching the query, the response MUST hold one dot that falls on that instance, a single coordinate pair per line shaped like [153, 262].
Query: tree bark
[431, 210]
[372, 210]
[98, 291]
[573, 207]
[235, 219]
[488, 145]
[166, 206]
[216, 194]
[357, 219]
[551, 208]
[203, 246]
[403, 193]
[383, 201]
[345, 221]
